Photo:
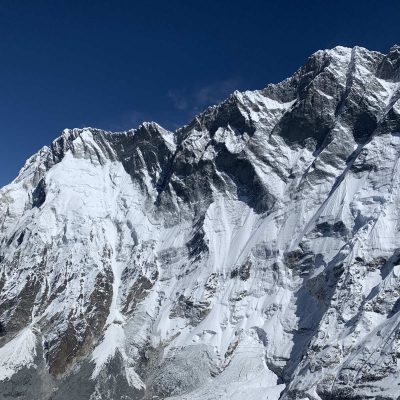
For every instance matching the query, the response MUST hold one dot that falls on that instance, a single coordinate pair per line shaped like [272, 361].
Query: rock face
[253, 254]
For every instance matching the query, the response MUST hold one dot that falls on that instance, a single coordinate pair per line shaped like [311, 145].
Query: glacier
[252, 254]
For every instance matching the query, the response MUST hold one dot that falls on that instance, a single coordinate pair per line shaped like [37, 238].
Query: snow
[246, 376]
[114, 339]
[18, 353]
[308, 286]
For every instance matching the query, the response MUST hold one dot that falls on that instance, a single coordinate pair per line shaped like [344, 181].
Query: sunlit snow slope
[253, 254]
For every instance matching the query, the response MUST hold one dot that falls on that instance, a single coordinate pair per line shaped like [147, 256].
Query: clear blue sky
[112, 64]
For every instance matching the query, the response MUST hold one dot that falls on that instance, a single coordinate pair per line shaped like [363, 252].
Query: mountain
[252, 254]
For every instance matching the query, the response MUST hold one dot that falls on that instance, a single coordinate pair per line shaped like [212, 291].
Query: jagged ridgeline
[252, 254]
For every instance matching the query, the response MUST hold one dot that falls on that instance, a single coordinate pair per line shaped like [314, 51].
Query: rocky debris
[186, 308]
[243, 272]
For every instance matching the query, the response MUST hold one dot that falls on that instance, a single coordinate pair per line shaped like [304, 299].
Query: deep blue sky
[112, 64]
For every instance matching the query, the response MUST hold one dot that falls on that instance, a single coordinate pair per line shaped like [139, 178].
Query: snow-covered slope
[253, 254]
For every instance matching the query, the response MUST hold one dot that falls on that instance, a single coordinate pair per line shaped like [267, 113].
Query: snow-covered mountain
[253, 254]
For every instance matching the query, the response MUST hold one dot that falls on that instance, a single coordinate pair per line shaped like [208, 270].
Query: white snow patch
[114, 339]
[19, 353]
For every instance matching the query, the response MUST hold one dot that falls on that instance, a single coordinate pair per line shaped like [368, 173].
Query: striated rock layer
[253, 254]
